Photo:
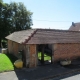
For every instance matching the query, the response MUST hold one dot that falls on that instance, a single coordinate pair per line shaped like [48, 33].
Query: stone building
[60, 45]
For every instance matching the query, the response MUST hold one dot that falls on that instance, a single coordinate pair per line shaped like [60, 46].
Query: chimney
[73, 24]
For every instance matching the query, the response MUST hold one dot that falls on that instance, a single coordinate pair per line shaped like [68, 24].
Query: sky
[52, 14]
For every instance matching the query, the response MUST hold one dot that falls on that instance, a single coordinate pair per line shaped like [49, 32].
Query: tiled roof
[20, 36]
[45, 36]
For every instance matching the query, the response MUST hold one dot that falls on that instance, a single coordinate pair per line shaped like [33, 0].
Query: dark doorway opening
[44, 54]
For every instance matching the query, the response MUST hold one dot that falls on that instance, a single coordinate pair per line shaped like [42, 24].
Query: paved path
[75, 77]
[8, 76]
[40, 73]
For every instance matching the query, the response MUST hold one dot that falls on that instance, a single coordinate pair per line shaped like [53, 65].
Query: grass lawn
[46, 57]
[5, 63]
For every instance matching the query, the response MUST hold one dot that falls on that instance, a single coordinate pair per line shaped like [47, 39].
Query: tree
[21, 17]
[13, 17]
[2, 23]
[1, 0]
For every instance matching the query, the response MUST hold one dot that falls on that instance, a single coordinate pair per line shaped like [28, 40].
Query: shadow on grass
[12, 57]
[5, 63]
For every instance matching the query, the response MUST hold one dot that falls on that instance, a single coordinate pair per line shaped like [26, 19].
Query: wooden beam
[42, 55]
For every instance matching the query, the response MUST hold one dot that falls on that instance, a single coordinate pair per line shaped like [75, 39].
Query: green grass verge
[5, 63]
[46, 57]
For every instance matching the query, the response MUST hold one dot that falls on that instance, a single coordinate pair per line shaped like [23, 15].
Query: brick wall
[66, 51]
[33, 56]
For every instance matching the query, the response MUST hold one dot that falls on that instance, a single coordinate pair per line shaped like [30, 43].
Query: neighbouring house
[57, 44]
[75, 26]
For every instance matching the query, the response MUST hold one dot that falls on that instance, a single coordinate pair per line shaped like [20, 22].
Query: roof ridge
[48, 29]
[23, 30]
[59, 30]
[26, 40]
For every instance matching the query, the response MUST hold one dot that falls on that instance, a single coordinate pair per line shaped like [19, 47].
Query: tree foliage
[21, 17]
[13, 17]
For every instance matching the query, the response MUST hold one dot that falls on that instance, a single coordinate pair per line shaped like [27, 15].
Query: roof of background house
[75, 26]
[45, 36]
